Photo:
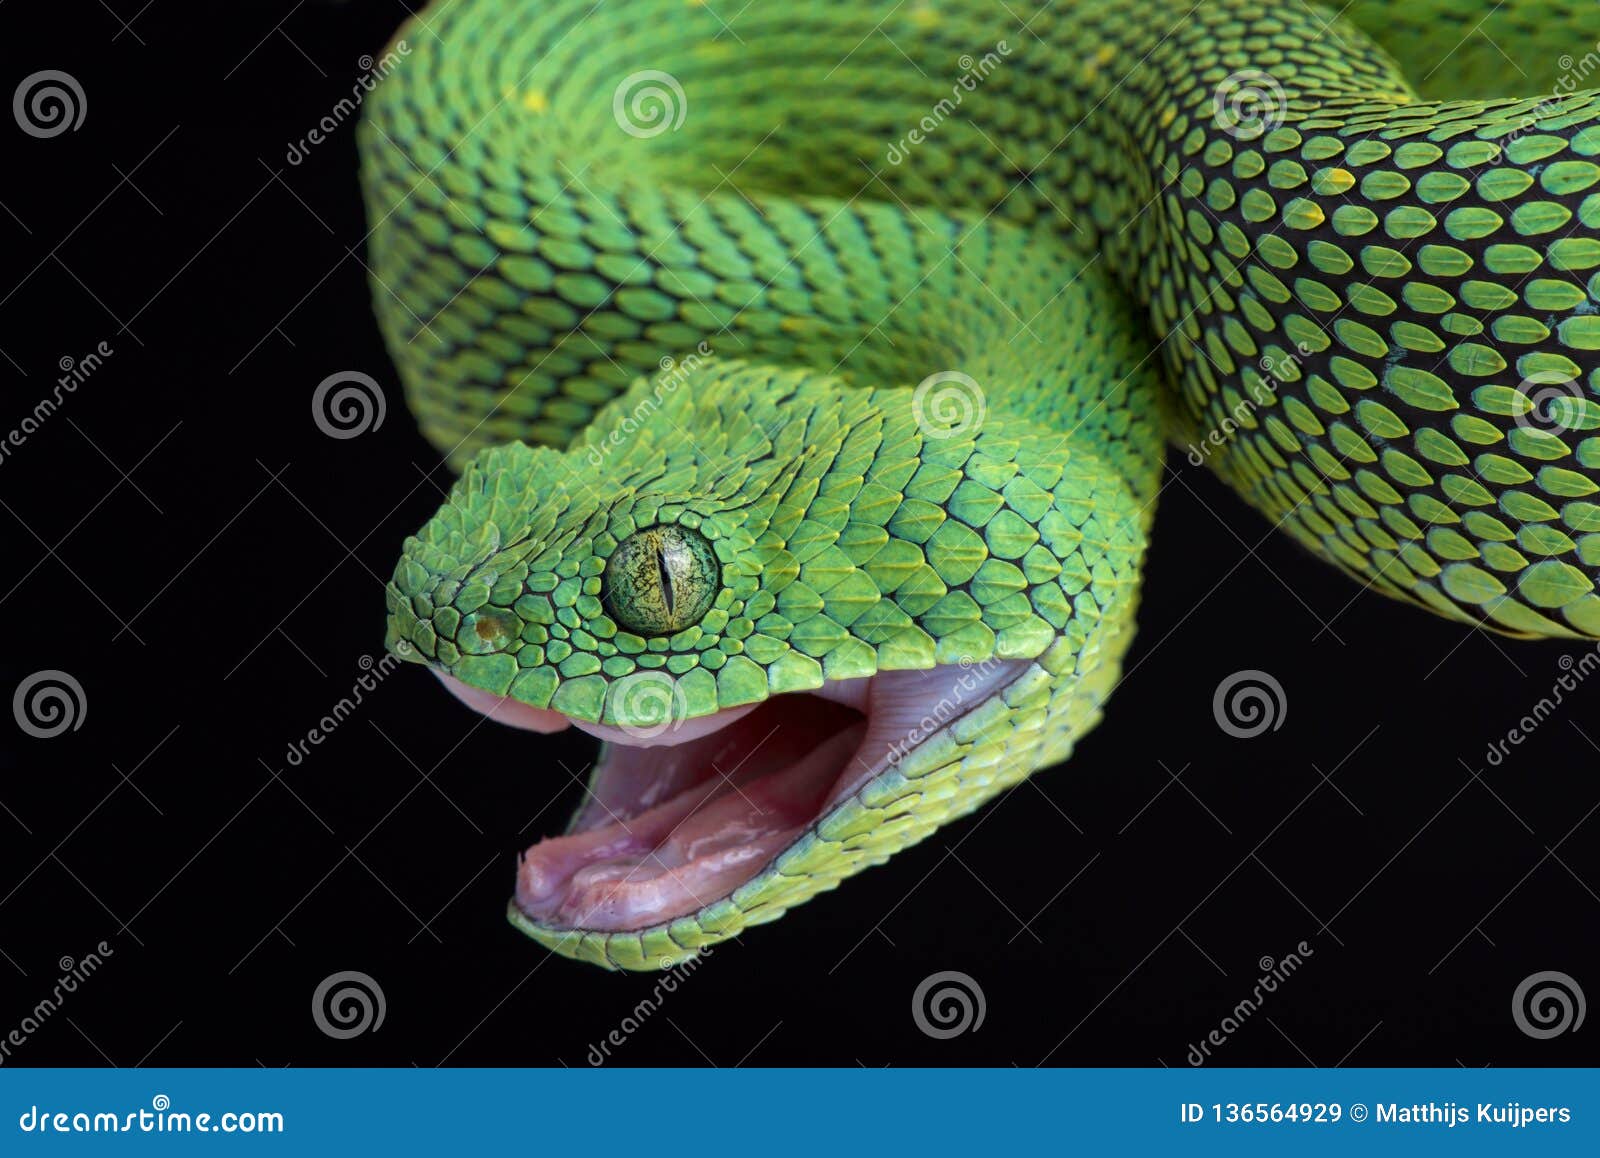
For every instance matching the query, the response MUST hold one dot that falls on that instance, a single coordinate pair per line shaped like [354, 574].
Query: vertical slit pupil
[665, 574]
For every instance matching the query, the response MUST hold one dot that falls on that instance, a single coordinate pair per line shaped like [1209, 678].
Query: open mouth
[676, 819]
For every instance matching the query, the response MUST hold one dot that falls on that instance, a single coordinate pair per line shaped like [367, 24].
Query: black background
[183, 540]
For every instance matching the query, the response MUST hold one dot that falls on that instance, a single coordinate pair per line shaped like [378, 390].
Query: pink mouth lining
[678, 821]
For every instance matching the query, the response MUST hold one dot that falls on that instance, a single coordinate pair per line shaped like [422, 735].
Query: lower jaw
[672, 831]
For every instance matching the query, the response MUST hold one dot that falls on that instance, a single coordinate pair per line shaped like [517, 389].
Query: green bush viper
[810, 377]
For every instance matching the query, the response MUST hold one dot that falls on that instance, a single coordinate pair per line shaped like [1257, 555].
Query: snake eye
[661, 580]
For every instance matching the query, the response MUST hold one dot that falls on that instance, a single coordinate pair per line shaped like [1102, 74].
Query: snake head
[810, 621]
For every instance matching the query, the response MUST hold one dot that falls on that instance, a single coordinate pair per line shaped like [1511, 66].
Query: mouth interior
[678, 821]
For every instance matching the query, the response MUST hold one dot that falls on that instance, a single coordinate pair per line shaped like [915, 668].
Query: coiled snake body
[810, 376]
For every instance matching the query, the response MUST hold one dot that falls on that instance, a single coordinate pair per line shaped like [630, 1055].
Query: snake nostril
[485, 632]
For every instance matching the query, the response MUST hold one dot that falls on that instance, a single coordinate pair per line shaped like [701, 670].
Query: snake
[812, 372]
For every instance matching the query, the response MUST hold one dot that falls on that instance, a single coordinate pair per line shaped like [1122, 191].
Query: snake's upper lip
[669, 829]
[518, 715]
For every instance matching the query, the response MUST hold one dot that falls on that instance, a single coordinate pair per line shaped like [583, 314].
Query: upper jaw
[675, 820]
[505, 710]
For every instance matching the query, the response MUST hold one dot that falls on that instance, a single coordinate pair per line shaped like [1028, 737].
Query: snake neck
[770, 227]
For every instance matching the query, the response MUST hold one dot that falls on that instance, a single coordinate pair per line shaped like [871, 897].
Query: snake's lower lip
[666, 831]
